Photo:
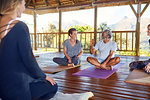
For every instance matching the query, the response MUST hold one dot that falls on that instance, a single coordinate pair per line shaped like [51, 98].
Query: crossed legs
[144, 65]
[64, 61]
[97, 64]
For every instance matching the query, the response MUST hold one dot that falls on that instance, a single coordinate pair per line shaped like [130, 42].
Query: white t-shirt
[105, 48]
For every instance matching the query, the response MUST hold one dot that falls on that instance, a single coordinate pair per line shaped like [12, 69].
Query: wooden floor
[113, 88]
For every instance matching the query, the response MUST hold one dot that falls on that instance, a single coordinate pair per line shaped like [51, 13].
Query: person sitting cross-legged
[106, 48]
[72, 50]
[143, 65]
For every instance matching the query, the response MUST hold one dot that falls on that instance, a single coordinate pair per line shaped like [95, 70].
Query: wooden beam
[138, 29]
[95, 23]
[135, 1]
[46, 2]
[59, 2]
[35, 33]
[27, 3]
[133, 9]
[34, 3]
[144, 9]
[60, 22]
[75, 1]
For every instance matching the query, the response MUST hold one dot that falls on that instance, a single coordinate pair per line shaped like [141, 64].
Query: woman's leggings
[64, 61]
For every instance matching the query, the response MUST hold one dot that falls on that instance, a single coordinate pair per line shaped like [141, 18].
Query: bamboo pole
[95, 23]
[35, 33]
[138, 29]
[60, 22]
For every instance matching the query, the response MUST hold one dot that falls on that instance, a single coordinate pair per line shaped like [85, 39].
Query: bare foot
[97, 67]
[147, 68]
[110, 68]
[71, 65]
[107, 68]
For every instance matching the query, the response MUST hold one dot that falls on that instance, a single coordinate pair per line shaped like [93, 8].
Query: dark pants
[140, 64]
[64, 61]
[42, 90]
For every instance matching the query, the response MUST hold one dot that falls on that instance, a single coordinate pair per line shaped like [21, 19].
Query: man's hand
[50, 79]
[92, 42]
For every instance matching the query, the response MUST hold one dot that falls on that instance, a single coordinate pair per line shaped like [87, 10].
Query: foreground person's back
[20, 76]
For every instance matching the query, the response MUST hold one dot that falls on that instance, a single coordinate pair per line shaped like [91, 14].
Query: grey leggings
[64, 61]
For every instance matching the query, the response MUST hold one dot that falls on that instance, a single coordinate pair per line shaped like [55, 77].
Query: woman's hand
[50, 79]
[69, 61]
[79, 56]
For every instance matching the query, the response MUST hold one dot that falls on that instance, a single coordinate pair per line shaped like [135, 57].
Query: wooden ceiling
[52, 6]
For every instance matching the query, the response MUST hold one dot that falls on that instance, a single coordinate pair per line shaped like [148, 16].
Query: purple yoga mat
[98, 73]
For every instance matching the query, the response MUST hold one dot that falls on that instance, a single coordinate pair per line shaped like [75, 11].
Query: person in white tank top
[106, 48]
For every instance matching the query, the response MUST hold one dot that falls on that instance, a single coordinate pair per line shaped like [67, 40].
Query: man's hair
[108, 33]
[148, 25]
[71, 30]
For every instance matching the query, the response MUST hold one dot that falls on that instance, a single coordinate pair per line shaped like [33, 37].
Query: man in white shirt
[106, 48]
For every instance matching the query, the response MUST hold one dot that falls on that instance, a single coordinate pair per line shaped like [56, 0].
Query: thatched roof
[52, 6]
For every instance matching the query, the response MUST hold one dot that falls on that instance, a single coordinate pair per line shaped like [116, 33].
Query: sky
[109, 15]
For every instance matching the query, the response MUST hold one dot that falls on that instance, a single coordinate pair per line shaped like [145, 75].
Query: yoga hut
[113, 87]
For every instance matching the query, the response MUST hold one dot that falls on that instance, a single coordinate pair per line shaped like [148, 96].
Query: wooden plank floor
[113, 88]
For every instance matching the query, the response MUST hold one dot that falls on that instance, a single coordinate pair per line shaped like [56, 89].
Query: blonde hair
[8, 6]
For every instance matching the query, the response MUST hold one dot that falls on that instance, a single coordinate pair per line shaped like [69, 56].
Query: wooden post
[34, 16]
[95, 23]
[146, 6]
[138, 29]
[138, 16]
[60, 19]
[133, 9]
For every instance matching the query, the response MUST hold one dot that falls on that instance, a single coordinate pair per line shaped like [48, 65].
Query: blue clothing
[72, 50]
[18, 67]
[140, 65]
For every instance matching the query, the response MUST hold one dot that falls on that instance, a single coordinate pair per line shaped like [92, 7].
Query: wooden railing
[125, 40]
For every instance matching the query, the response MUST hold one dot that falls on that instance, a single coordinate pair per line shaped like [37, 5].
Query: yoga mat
[56, 68]
[98, 73]
[138, 77]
